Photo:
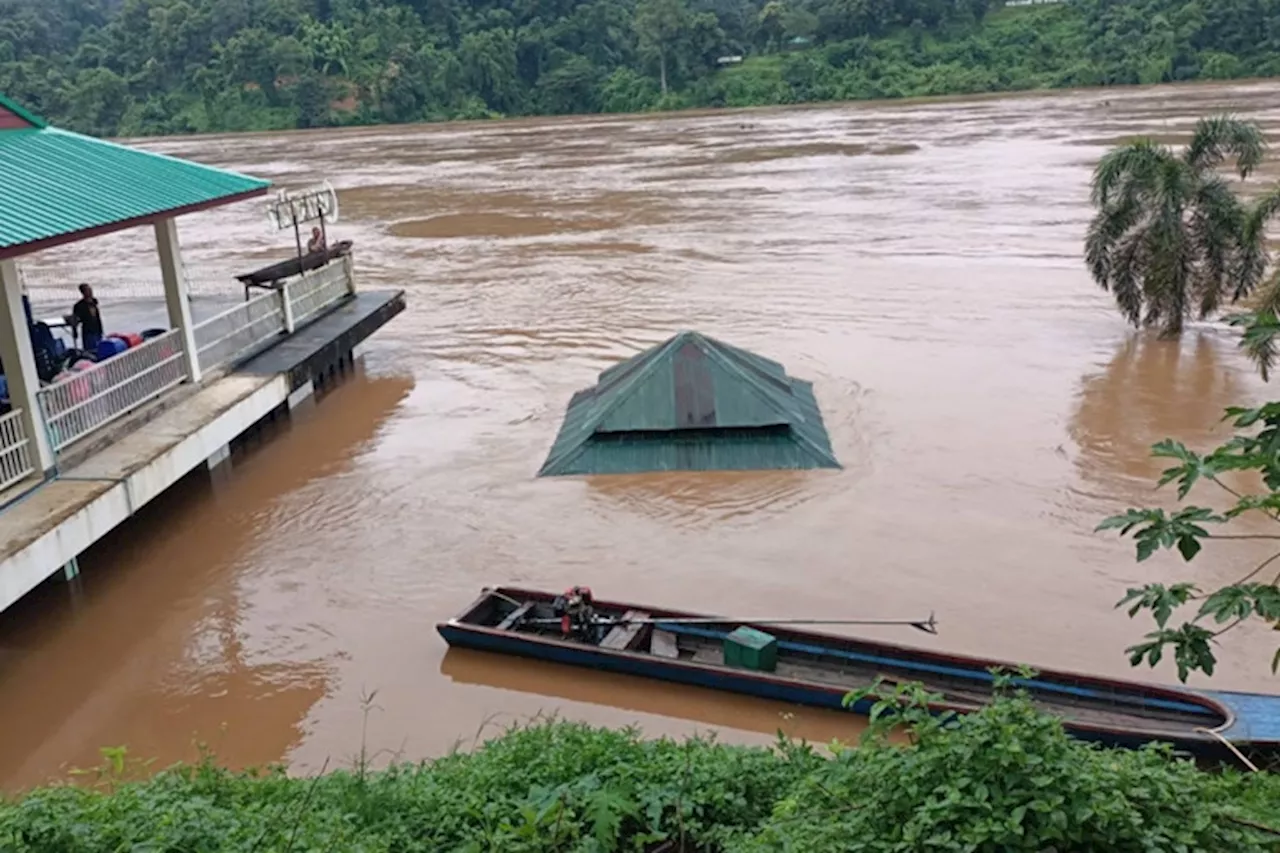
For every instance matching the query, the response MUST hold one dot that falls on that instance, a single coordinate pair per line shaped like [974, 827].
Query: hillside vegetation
[132, 67]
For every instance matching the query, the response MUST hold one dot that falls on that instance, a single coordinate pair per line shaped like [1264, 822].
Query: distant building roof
[57, 186]
[691, 404]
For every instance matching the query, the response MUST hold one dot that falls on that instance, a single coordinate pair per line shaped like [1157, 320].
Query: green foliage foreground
[1004, 779]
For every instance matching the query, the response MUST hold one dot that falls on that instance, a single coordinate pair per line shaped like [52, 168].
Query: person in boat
[577, 614]
[317, 243]
[88, 319]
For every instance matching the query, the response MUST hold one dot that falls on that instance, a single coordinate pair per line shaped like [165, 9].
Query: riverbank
[1004, 779]
[388, 63]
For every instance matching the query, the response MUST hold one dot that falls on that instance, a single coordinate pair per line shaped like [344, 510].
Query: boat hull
[1258, 730]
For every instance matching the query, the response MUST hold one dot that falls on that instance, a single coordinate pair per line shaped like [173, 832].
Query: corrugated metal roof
[692, 403]
[54, 184]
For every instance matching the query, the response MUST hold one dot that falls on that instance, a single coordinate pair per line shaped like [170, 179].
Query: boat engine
[577, 613]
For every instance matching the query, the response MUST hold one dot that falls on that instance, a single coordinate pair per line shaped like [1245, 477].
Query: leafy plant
[1005, 778]
[1208, 613]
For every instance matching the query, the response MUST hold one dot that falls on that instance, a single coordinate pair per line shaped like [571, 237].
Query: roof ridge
[627, 386]
[729, 358]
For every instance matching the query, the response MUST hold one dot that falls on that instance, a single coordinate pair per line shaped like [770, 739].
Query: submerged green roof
[56, 185]
[692, 404]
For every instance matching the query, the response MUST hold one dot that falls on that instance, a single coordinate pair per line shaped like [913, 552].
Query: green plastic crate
[748, 648]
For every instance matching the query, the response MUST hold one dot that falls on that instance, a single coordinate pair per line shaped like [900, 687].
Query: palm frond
[1219, 138]
[1127, 265]
[1129, 170]
[1260, 339]
[1252, 259]
[1214, 229]
[1266, 299]
[1106, 229]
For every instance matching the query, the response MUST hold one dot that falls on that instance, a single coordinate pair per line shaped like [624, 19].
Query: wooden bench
[663, 644]
[623, 635]
[514, 617]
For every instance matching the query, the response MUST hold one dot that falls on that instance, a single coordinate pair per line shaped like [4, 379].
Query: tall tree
[1168, 240]
[659, 24]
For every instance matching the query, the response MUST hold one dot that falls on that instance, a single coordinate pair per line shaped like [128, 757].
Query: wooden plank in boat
[663, 644]
[621, 635]
[514, 617]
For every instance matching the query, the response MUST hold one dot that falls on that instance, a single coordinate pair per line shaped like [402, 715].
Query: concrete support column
[20, 365]
[219, 456]
[349, 266]
[175, 292]
[286, 309]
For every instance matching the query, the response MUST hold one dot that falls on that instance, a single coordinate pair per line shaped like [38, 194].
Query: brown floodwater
[919, 262]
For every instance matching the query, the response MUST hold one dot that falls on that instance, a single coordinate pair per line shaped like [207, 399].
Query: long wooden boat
[821, 669]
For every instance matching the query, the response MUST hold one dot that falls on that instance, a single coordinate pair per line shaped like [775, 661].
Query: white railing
[15, 453]
[250, 326]
[240, 330]
[317, 290]
[77, 405]
[81, 403]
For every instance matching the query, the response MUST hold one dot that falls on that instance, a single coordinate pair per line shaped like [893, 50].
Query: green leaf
[1193, 467]
[1232, 602]
[1159, 599]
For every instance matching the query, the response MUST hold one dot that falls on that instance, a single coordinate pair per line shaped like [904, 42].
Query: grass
[1004, 779]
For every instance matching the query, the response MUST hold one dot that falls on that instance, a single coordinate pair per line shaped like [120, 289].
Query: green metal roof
[56, 186]
[692, 404]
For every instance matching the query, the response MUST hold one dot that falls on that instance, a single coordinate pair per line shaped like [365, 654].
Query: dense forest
[133, 67]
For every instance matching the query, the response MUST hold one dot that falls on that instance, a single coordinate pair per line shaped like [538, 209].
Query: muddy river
[919, 262]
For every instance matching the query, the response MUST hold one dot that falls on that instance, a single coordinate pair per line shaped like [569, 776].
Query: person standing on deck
[88, 319]
[317, 241]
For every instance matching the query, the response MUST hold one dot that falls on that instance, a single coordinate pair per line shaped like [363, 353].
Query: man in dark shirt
[88, 319]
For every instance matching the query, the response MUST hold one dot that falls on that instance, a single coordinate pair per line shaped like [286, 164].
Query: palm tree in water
[1170, 239]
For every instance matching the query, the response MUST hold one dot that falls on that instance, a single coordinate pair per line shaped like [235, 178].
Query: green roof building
[692, 403]
[58, 187]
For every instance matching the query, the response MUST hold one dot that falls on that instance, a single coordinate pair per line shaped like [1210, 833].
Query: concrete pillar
[221, 455]
[20, 366]
[349, 266]
[286, 309]
[175, 292]
[304, 392]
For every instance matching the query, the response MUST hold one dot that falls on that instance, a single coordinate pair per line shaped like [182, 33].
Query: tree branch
[1259, 568]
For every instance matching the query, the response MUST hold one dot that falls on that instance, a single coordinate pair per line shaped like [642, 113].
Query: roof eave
[23, 113]
[18, 249]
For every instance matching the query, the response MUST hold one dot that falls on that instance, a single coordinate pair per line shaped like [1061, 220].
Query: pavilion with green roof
[58, 187]
[692, 403]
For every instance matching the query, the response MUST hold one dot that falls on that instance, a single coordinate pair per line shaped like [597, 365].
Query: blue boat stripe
[937, 669]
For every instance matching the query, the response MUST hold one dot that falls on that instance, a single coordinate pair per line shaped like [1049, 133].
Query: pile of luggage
[57, 357]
